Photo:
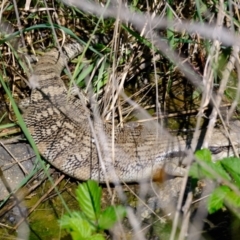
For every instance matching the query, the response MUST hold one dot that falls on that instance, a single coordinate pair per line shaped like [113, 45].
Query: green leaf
[232, 165]
[97, 236]
[233, 199]
[209, 170]
[204, 155]
[236, 178]
[100, 80]
[196, 171]
[89, 196]
[196, 94]
[216, 199]
[110, 216]
[204, 167]
[84, 73]
[217, 168]
[77, 226]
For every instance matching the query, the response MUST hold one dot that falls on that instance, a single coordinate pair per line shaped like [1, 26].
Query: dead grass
[181, 58]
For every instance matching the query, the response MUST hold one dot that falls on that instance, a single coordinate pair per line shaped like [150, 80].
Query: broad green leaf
[138, 36]
[196, 171]
[110, 216]
[216, 199]
[204, 167]
[84, 73]
[233, 199]
[204, 154]
[97, 236]
[232, 165]
[102, 82]
[77, 226]
[210, 170]
[236, 178]
[100, 79]
[89, 196]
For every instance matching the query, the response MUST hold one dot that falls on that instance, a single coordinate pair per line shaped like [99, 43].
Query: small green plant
[91, 222]
[226, 171]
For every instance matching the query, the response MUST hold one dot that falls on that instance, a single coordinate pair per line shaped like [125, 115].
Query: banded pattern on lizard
[84, 147]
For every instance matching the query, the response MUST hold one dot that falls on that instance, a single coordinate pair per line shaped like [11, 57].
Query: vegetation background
[178, 60]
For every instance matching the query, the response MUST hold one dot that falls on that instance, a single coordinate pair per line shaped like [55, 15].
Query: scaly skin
[66, 136]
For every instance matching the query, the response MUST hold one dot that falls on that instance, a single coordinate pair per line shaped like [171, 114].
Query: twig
[40, 200]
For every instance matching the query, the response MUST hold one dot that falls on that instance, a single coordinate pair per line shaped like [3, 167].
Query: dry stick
[16, 160]
[217, 102]
[113, 74]
[136, 68]
[225, 77]
[11, 131]
[64, 188]
[145, 204]
[216, 111]
[22, 193]
[139, 21]
[179, 114]
[208, 75]
[236, 100]
[186, 216]
[129, 69]
[40, 200]
[180, 201]
[128, 110]
[6, 226]
[19, 24]
[101, 138]
[208, 85]
[208, 79]
[27, 159]
[15, 197]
